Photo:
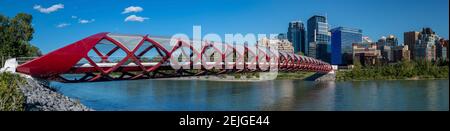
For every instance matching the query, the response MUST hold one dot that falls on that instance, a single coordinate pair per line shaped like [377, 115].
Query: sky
[61, 22]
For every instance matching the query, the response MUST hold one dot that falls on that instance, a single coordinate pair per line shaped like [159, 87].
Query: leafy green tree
[406, 69]
[357, 69]
[15, 35]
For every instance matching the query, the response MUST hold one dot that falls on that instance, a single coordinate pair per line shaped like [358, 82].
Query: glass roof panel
[129, 41]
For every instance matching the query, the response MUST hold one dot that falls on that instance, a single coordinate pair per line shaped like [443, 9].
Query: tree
[4, 22]
[357, 69]
[406, 69]
[15, 35]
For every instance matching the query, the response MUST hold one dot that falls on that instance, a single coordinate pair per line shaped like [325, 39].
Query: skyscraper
[296, 35]
[318, 34]
[342, 39]
[409, 39]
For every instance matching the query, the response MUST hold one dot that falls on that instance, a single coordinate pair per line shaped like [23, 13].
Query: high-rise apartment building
[425, 47]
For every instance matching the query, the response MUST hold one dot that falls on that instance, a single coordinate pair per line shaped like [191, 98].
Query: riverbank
[248, 77]
[26, 94]
[299, 75]
[350, 76]
[224, 78]
[406, 70]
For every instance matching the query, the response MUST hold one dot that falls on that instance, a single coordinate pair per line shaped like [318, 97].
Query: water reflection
[277, 95]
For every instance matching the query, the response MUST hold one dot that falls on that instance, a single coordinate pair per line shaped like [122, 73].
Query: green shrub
[11, 98]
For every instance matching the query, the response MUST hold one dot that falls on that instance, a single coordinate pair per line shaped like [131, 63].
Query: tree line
[414, 69]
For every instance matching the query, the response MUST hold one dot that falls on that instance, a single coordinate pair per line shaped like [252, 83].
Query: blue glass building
[342, 39]
[318, 34]
[296, 35]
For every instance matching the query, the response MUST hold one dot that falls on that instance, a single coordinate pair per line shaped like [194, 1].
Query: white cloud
[74, 17]
[132, 9]
[62, 25]
[135, 18]
[48, 10]
[81, 21]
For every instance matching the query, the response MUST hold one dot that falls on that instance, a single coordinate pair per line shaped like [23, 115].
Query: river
[277, 95]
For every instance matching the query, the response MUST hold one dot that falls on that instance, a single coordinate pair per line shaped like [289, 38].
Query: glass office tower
[296, 35]
[319, 35]
[342, 39]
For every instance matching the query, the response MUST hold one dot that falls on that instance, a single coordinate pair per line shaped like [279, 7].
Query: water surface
[283, 95]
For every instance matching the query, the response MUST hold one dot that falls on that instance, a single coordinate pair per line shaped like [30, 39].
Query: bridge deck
[86, 67]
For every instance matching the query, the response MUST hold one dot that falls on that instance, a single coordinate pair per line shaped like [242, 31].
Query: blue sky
[167, 17]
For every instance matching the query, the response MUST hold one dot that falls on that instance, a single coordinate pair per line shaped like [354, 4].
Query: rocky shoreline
[41, 98]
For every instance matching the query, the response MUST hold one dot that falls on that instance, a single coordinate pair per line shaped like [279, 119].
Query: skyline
[59, 23]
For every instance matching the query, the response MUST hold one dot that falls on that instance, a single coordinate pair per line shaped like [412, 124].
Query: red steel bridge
[107, 57]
